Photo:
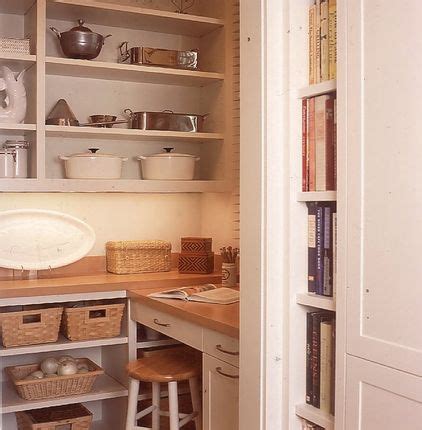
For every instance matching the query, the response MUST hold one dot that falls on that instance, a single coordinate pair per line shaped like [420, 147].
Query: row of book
[322, 248]
[322, 41]
[320, 360]
[319, 143]
[306, 425]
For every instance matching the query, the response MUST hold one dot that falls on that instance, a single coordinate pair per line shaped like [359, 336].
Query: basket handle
[97, 315]
[31, 320]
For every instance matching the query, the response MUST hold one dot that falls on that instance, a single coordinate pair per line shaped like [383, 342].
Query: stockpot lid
[16, 144]
[169, 154]
[81, 27]
[93, 154]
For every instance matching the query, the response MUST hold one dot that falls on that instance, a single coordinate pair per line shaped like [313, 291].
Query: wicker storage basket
[30, 327]
[93, 322]
[52, 388]
[74, 417]
[14, 46]
[138, 256]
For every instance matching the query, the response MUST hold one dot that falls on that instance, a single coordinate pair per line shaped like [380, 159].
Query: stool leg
[156, 397]
[132, 405]
[174, 406]
[196, 401]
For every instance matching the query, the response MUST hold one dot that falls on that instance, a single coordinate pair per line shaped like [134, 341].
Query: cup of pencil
[229, 269]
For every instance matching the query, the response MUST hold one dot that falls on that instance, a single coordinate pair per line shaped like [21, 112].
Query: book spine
[335, 142]
[326, 366]
[315, 359]
[324, 41]
[309, 380]
[312, 44]
[320, 138]
[329, 145]
[304, 145]
[312, 256]
[333, 367]
[332, 39]
[334, 254]
[319, 283]
[318, 42]
[327, 252]
[311, 144]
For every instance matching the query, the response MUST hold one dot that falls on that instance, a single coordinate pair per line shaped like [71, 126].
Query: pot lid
[81, 27]
[93, 153]
[169, 154]
[62, 110]
[13, 144]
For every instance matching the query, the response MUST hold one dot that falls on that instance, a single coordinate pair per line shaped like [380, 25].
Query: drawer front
[222, 347]
[174, 327]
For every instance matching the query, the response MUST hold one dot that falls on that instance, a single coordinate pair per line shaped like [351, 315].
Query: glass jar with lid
[20, 150]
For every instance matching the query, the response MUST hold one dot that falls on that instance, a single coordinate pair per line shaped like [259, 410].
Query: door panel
[380, 398]
[384, 182]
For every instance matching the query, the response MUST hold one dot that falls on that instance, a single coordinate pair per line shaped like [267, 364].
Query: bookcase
[302, 302]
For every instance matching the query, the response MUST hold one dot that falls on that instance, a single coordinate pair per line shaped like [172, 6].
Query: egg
[67, 368]
[38, 374]
[49, 365]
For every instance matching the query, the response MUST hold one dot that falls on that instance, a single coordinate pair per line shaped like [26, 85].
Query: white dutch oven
[168, 166]
[90, 165]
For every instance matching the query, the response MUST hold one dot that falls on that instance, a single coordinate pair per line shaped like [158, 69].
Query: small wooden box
[196, 244]
[196, 262]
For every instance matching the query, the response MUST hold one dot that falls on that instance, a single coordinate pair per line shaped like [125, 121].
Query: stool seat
[165, 367]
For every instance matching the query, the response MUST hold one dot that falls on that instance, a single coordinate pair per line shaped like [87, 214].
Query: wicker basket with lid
[137, 256]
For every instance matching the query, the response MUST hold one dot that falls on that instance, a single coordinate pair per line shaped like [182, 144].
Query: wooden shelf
[19, 7]
[316, 416]
[16, 129]
[316, 301]
[17, 62]
[105, 387]
[120, 15]
[112, 186]
[62, 344]
[317, 89]
[154, 343]
[129, 72]
[317, 196]
[129, 134]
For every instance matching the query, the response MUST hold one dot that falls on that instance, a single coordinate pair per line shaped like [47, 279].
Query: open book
[208, 293]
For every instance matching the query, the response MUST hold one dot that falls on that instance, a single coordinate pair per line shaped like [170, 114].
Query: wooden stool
[169, 367]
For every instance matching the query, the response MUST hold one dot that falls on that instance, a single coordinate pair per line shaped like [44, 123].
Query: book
[318, 42]
[309, 380]
[326, 365]
[305, 173]
[207, 293]
[311, 143]
[324, 41]
[327, 288]
[319, 278]
[312, 257]
[332, 39]
[312, 44]
[333, 367]
[334, 221]
[320, 142]
[306, 425]
[330, 145]
[335, 142]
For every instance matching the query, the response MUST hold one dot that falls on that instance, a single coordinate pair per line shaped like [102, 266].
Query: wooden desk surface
[221, 318]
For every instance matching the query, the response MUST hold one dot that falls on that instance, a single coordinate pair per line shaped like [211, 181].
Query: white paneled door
[384, 182]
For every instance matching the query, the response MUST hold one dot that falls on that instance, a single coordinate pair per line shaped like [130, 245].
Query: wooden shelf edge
[316, 301]
[315, 416]
[154, 343]
[105, 387]
[317, 196]
[28, 58]
[62, 345]
[18, 127]
[317, 89]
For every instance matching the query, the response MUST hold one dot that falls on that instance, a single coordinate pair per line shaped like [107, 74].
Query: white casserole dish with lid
[90, 165]
[168, 166]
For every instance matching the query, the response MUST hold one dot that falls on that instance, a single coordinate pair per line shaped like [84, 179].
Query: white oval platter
[33, 239]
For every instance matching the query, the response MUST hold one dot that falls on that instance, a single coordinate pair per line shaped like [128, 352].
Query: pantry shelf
[16, 6]
[316, 416]
[17, 128]
[316, 301]
[120, 15]
[317, 89]
[129, 134]
[61, 345]
[17, 62]
[317, 196]
[129, 72]
[105, 387]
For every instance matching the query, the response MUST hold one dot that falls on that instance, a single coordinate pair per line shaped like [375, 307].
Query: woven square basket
[30, 327]
[75, 417]
[138, 256]
[92, 322]
[52, 388]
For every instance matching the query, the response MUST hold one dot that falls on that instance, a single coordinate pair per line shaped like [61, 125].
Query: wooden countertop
[100, 283]
[221, 318]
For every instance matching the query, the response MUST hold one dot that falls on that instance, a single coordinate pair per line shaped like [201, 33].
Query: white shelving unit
[105, 86]
[316, 301]
[317, 89]
[316, 416]
[317, 196]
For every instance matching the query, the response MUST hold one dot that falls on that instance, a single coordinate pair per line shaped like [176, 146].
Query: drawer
[174, 327]
[222, 347]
